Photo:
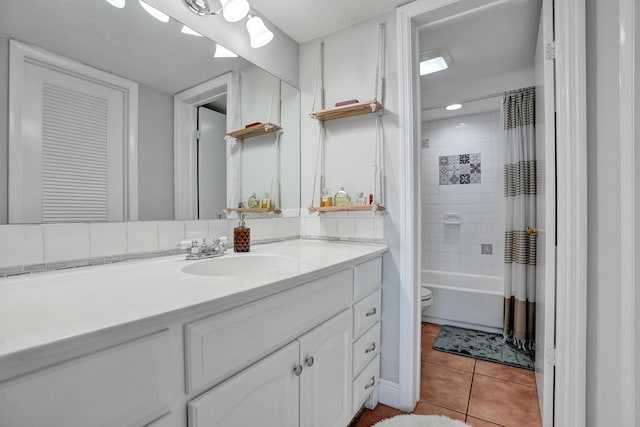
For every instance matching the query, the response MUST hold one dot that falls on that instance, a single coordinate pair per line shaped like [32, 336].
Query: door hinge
[550, 51]
[551, 356]
[196, 134]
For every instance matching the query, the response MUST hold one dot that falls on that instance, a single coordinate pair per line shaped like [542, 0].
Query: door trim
[628, 99]
[572, 212]
[185, 158]
[19, 54]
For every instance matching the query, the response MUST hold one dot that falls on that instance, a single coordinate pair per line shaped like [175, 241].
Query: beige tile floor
[483, 394]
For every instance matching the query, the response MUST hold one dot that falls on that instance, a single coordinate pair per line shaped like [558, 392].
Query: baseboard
[389, 393]
[467, 325]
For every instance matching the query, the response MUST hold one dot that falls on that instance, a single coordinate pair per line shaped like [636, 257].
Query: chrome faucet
[199, 249]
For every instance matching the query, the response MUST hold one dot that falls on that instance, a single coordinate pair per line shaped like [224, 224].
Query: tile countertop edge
[49, 353]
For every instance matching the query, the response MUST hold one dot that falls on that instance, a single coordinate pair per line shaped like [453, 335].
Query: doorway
[571, 150]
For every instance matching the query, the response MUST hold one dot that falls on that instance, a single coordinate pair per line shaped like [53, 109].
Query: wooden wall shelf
[374, 208]
[350, 110]
[257, 130]
[257, 210]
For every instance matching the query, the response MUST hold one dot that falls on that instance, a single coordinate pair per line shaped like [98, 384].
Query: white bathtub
[466, 300]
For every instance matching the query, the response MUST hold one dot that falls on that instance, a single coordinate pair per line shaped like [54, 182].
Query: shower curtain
[518, 111]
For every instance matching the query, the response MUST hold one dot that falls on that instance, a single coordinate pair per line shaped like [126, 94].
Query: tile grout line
[473, 375]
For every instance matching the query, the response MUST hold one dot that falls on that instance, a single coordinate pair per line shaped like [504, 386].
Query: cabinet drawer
[368, 277]
[365, 383]
[127, 385]
[366, 313]
[221, 345]
[366, 348]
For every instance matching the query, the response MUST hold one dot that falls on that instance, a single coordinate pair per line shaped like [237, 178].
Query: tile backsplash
[27, 248]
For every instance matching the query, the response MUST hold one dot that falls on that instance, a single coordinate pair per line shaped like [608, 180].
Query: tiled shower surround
[458, 248]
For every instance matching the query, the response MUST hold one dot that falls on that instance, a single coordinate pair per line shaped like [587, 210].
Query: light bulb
[223, 52]
[154, 12]
[234, 10]
[187, 30]
[116, 3]
[258, 32]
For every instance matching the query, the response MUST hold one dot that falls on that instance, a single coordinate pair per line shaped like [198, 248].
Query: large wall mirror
[110, 114]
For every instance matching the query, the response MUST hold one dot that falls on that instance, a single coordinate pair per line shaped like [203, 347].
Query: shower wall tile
[456, 248]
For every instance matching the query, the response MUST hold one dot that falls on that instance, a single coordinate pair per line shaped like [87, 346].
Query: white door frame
[185, 161]
[570, 388]
[629, 129]
[21, 53]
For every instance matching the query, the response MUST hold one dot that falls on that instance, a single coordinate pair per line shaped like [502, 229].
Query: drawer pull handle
[370, 349]
[297, 370]
[371, 384]
[371, 312]
[309, 361]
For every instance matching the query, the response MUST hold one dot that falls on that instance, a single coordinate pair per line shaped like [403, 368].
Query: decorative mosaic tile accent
[460, 169]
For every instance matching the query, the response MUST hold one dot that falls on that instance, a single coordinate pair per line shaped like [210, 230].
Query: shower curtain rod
[479, 98]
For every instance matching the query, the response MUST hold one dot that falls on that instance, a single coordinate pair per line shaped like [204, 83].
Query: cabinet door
[325, 383]
[266, 394]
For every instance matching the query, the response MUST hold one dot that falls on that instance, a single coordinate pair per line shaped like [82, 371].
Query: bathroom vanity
[286, 335]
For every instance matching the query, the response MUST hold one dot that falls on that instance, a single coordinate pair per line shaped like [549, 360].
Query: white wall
[457, 248]
[603, 288]
[155, 154]
[350, 66]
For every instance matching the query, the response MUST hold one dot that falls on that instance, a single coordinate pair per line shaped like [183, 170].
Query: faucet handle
[187, 244]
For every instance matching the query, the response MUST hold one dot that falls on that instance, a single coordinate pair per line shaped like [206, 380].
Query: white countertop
[42, 308]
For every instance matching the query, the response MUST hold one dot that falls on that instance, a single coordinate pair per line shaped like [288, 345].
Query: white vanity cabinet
[300, 351]
[305, 383]
[367, 311]
[316, 380]
[126, 385]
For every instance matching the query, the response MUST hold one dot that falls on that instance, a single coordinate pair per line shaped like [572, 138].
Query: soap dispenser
[241, 237]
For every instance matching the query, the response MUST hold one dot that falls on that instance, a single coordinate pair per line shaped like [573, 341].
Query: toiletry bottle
[253, 201]
[325, 199]
[241, 237]
[342, 197]
[266, 201]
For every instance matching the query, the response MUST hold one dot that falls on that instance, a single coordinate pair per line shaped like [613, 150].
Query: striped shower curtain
[518, 111]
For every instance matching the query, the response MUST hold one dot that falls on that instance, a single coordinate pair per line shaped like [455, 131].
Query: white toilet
[427, 299]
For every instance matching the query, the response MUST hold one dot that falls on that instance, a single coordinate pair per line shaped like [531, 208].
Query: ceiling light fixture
[187, 30]
[453, 107]
[116, 3]
[223, 52]
[154, 12]
[258, 32]
[434, 61]
[232, 10]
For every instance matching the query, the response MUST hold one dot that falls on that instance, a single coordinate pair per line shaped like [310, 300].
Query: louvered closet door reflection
[73, 137]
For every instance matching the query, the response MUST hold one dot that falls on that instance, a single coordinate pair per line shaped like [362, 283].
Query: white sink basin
[242, 265]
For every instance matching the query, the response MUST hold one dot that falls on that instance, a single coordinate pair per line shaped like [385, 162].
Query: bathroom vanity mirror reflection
[105, 78]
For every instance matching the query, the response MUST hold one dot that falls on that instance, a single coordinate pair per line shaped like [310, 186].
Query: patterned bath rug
[482, 345]
[420, 421]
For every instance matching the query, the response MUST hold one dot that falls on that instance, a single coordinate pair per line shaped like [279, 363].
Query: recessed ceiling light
[154, 12]
[433, 61]
[453, 107]
[117, 3]
[223, 52]
[187, 30]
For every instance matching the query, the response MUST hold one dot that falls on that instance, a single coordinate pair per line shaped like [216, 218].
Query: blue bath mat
[482, 345]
